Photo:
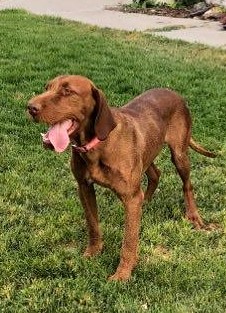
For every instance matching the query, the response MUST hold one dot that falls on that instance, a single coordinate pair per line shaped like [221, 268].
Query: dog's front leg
[129, 252]
[88, 199]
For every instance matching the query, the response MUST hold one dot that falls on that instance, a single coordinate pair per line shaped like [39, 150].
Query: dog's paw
[120, 275]
[209, 227]
[196, 220]
[93, 250]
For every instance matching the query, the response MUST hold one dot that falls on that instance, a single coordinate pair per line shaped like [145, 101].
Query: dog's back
[161, 102]
[162, 112]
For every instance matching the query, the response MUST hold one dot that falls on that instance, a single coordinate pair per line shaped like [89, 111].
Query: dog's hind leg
[178, 138]
[182, 163]
[153, 174]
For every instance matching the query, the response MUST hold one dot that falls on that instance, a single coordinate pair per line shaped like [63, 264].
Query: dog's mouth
[58, 135]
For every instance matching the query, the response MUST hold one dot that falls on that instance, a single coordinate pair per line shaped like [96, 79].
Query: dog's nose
[32, 109]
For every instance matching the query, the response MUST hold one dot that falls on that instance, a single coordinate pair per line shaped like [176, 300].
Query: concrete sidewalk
[94, 12]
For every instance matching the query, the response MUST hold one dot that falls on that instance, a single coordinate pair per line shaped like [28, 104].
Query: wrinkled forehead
[81, 85]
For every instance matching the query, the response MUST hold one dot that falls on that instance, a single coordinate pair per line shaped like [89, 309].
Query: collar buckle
[86, 148]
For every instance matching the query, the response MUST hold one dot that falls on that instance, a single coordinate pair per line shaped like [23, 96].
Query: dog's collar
[90, 145]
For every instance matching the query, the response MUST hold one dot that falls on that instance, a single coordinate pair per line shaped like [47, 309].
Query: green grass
[43, 231]
[166, 28]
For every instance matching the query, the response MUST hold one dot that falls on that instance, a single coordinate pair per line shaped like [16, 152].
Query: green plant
[185, 3]
[156, 3]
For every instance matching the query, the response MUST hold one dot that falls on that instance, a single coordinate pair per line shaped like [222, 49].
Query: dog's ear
[104, 121]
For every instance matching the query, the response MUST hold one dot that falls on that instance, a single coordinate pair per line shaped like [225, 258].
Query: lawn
[42, 224]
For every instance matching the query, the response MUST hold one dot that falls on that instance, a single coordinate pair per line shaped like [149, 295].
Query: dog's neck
[86, 140]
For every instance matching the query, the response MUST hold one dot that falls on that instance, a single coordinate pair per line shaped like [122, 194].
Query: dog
[114, 147]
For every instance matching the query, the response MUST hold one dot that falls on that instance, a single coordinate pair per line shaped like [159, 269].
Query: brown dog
[114, 148]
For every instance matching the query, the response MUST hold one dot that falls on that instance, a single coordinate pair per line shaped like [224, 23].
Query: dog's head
[68, 105]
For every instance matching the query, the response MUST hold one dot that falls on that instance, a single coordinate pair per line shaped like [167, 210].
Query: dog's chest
[99, 172]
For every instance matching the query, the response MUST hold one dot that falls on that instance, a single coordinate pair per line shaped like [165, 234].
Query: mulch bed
[188, 12]
[163, 11]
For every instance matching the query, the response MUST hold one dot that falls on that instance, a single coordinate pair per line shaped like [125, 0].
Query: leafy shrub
[186, 3]
[154, 3]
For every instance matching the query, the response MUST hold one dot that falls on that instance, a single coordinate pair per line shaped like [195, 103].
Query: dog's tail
[198, 148]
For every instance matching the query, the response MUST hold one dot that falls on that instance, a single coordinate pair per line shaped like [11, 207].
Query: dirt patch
[162, 252]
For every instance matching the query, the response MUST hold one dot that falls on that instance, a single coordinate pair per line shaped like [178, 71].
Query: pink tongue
[58, 135]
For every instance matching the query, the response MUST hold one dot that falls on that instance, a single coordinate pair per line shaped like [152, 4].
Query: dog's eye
[66, 90]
